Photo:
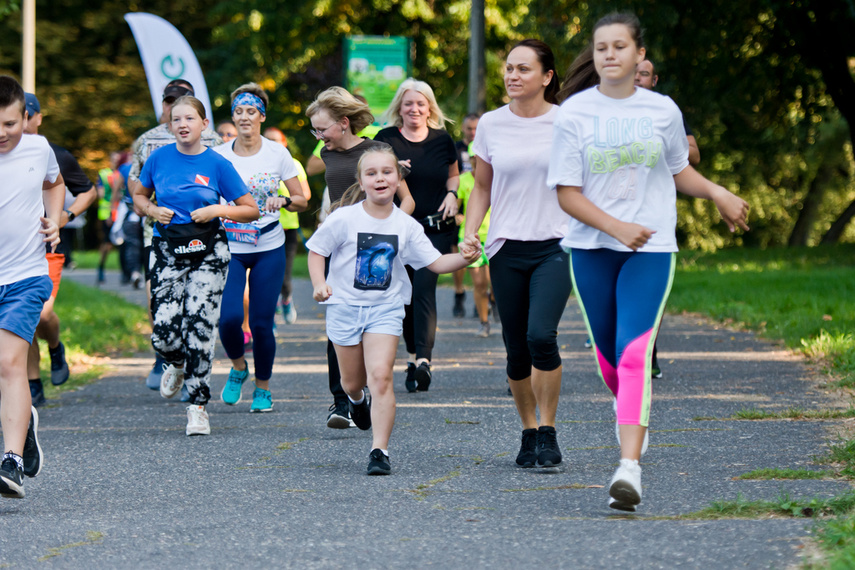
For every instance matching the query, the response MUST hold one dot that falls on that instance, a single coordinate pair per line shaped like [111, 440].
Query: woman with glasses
[419, 140]
[257, 248]
[336, 116]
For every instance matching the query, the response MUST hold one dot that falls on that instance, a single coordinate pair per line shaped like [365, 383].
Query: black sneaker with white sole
[378, 463]
[33, 458]
[361, 413]
[11, 478]
[58, 365]
[423, 377]
[548, 453]
[339, 417]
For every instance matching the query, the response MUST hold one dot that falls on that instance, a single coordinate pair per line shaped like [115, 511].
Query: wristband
[452, 192]
[287, 201]
[71, 215]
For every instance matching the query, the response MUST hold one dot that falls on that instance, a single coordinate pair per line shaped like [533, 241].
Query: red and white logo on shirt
[202, 179]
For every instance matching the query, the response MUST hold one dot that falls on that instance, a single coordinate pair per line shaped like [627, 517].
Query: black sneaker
[410, 382]
[11, 479]
[548, 453]
[459, 310]
[339, 417]
[527, 456]
[422, 375]
[361, 413]
[33, 458]
[37, 392]
[58, 365]
[378, 463]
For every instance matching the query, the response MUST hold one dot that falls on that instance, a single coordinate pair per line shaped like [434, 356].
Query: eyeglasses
[321, 134]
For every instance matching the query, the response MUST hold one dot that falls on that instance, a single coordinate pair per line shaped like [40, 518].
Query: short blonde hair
[253, 89]
[392, 116]
[340, 103]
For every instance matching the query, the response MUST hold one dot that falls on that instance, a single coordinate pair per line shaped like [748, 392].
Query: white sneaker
[625, 488]
[171, 380]
[197, 421]
[617, 433]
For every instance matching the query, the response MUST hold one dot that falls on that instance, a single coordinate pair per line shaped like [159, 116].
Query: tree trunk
[836, 230]
[810, 207]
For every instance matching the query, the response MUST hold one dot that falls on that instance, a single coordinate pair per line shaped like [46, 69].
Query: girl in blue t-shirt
[190, 255]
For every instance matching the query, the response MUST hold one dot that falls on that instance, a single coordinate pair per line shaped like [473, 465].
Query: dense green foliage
[766, 85]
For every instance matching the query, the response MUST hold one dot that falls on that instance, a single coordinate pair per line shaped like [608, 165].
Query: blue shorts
[347, 323]
[21, 304]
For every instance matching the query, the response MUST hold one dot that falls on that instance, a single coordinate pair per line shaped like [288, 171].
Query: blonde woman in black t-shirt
[418, 137]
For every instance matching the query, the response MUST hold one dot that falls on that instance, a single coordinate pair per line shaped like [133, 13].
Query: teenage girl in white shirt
[619, 153]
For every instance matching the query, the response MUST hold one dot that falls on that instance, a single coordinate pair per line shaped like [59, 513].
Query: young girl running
[190, 254]
[618, 155]
[368, 244]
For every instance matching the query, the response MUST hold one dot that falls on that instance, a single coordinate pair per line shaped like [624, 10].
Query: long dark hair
[582, 73]
[547, 62]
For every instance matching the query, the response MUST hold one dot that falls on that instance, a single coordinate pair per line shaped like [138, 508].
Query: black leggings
[531, 282]
[420, 314]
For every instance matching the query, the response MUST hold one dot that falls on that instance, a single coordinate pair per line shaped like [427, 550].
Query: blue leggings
[622, 296]
[267, 269]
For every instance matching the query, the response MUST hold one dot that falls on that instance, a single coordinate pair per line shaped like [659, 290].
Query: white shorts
[347, 323]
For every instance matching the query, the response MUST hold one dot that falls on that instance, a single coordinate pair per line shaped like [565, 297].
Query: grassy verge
[93, 324]
[804, 297]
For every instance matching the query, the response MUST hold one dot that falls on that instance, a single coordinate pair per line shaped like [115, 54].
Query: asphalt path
[123, 487]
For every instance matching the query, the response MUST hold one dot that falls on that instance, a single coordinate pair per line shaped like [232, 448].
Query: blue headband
[249, 99]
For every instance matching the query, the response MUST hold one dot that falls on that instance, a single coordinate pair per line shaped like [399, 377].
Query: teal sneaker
[231, 391]
[262, 401]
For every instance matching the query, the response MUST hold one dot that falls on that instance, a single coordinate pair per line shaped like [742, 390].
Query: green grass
[803, 296]
[93, 324]
[789, 474]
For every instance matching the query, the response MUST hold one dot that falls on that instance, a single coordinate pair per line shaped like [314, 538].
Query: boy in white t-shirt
[31, 202]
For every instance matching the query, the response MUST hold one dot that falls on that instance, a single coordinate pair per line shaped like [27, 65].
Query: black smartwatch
[287, 201]
[71, 215]
[452, 192]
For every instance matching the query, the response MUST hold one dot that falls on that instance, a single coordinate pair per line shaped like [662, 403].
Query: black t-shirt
[341, 166]
[75, 179]
[429, 162]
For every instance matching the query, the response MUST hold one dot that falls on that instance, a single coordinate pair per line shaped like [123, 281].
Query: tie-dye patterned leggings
[185, 307]
[622, 296]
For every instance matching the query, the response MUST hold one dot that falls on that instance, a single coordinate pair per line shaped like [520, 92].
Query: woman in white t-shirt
[258, 247]
[366, 289]
[529, 270]
[619, 153]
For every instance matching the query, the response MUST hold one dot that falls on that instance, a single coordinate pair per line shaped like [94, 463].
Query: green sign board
[375, 67]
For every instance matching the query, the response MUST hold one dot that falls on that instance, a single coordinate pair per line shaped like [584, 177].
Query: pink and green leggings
[622, 296]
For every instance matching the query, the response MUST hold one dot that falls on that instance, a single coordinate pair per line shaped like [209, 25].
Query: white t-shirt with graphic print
[368, 255]
[624, 154]
[24, 170]
[261, 173]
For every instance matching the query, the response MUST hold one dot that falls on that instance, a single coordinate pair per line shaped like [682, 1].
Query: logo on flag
[202, 179]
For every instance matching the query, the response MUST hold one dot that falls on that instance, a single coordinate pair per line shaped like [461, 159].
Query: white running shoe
[197, 421]
[625, 488]
[617, 433]
[171, 380]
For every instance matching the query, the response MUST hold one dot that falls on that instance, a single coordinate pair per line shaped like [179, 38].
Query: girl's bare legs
[379, 353]
[631, 440]
[546, 386]
[525, 402]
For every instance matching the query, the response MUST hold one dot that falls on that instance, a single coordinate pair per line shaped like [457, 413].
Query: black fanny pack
[190, 241]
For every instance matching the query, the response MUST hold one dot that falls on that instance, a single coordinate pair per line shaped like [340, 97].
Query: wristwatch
[71, 215]
[287, 201]
[452, 192]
